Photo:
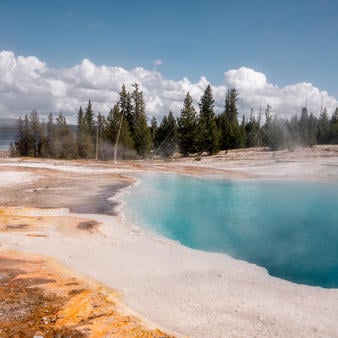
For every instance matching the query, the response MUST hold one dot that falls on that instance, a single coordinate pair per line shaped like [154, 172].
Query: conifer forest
[124, 133]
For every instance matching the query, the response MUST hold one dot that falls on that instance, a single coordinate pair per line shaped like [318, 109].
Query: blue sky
[288, 41]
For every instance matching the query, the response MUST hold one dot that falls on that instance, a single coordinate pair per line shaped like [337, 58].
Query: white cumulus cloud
[245, 79]
[255, 92]
[27, 83]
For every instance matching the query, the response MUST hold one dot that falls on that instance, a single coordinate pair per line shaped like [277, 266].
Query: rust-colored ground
[40, 298]
[34, 222]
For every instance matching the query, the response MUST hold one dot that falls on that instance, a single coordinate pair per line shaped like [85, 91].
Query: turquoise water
[290, 228]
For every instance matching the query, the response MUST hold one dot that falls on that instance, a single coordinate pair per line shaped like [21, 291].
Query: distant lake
[7, 135]
[290, 228]
[4, 144]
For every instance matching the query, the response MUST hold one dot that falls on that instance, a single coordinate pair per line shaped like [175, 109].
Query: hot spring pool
[290, 228]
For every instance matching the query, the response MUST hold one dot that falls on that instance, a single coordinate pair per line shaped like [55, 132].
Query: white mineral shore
[8, 178]
[189, 292]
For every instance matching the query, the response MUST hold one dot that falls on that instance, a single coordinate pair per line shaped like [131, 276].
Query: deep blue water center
[290, 228]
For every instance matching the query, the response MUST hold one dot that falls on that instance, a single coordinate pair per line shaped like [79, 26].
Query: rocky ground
[38, 298]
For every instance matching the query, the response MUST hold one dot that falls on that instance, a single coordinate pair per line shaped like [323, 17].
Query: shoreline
[184, 291]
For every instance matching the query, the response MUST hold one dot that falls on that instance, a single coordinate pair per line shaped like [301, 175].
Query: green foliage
[312, 129]
[84, 141]
[153, 132]
[31, 140]
[88, 119]
[65, 146]
[51, 137]
[303, 126]
[110, 132]
[38, 139]
[208, 134]
[86, 132]
[20, 144]
[334, 127]
[305, 131]
[252, 132]
[167, 136]
[100, 125]
[140, 132]
[187, 127]
[126, 108]
[232, 135]
[112, 124]
[96, 136]
[323, 134]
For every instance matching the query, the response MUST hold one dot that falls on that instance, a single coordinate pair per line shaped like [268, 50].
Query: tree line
[125, 132]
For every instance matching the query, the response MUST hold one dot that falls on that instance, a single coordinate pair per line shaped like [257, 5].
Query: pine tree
[267, 128]
[19, 144]
[312, 127]
[31, 140]
[323, 134]
[241, 143]
[100, 126]
[231, 135]
[126, 108]
[141, 133]
[167, 136]
[36, 131]
[153, 132]
[89, 119]
[252, 130]
[80, 121]
[187, 127]
[208, 134]
[293, 132]
[81, 134]
[29, 144]
[111, 128]
[334, 127]
[304, 127]
[51, 136]
[125, 142]
[86, 132]
[65, 146]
